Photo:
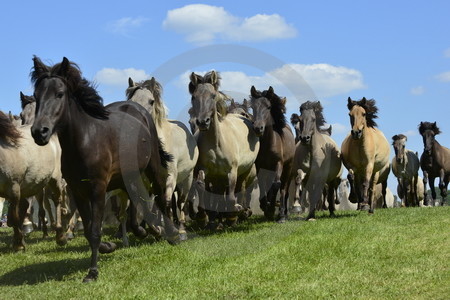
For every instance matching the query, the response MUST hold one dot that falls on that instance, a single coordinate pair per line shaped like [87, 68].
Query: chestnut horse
[365, 154]
[103, 147]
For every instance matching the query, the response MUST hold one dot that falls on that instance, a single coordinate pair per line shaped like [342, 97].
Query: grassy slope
[397, 253]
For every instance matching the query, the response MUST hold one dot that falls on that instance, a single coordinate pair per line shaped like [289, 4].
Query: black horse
[103, 147]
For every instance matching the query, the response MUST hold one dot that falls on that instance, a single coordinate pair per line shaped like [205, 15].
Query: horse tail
[164, 156]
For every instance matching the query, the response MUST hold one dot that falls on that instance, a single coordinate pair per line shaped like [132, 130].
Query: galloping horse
[25, 169]
[176, 138]
[365, 154]
[227, 145]
[103, 148]
[434, 161]
[276, 154]
[320, 161]
[405, 166]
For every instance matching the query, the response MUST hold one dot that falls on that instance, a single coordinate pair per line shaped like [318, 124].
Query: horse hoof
[174, 240]
[281, 220]
[213, 226]
[232, 222]
[183, 236]
[19, 248]
[296, 209]
[70, 236]
[27, 228]
[140, 233]
[61, 241]
[311, 219]
[106, 247]
[91, 276]
[365, 207]
[80, 226]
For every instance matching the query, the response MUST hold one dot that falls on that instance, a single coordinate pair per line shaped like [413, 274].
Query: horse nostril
[207, 120]
[197, 122]
[44, 131]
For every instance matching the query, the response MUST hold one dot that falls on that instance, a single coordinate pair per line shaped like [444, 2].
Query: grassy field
[394, 254]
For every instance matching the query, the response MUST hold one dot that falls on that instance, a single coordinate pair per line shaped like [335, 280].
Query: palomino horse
[319, 159]
[435, 161]
[276, 154]
[25, 169]
[405, 166]
[365, 154]
[177, 140]
[227, 145]
[103, 148]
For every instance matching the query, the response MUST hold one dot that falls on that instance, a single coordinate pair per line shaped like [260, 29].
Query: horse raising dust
[405, 166]
[317, 158]
[228, 147]
[104, 148]
[25, 169]
[435, 161]
[276, 154]
[176, 138]
[365, 153]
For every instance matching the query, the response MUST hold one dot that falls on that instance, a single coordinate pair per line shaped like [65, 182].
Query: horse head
[295, 121]
[205, 95]
[28, 104]
[399, 144]
[362, 114]
[148, 94]
[310, 120]
[428, 131]
[261, 107]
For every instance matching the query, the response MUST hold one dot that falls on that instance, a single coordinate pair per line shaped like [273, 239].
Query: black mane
[318, 110]
[277, 108]
[370, 108]
[8, 132]
[82, 91]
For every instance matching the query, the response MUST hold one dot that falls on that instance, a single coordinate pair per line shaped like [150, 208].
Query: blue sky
[397, 52]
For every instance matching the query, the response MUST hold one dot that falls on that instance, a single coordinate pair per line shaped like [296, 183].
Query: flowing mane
[317, 108]
[82, 91]
[370, 108]
[8, 132]
[423, 126]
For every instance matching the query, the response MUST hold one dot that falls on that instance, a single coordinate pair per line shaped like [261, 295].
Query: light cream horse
[405, 166]
[177, 139]
[25, 169]
[318, 159]
[228, 148]
[365, 153]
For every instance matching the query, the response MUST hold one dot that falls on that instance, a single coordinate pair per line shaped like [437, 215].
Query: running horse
[434, 161]
[365, 154]
[277, 148]
[228, 147]
[405, 166]
[320, 159]
[103, 147]
[177, 139]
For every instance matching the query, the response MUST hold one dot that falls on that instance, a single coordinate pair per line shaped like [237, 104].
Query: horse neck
[213, 134]
[70, 131]
[269, 133]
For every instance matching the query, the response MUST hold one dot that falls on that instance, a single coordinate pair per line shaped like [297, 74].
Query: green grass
[394, 254]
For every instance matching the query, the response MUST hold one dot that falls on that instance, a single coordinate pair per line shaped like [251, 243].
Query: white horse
[176, 138]
[25, 169]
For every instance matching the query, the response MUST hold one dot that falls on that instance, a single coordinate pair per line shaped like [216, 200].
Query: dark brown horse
[276, 154]
[103, 147]
[435, 161]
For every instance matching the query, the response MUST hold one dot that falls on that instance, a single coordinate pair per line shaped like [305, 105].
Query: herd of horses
[71, 146]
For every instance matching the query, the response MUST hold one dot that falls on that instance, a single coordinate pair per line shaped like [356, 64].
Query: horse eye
[152, 102]
[59, 95]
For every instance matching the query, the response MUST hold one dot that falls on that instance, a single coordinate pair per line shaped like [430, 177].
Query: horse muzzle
[203, 124]
[41, 135]
[259, 130]
[306, 140]
[356, 134]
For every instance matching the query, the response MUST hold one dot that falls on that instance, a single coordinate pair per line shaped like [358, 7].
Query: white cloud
[411, 133]
[119, 77]
[202, 24]
[418, 90]
[124, 25]
[444, 77]
[447, 53]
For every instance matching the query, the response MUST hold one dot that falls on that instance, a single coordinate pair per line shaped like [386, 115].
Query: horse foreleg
[232, 207]
[442, 185]
[433, 191]
[314, 188]
[40, 199]
[56, 189]
[426, 200]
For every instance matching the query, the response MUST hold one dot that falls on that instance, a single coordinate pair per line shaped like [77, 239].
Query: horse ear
[213, 77]
[294, 119]
[65, 64]
[350, 103]
[23, 100]
[39, 67]
[152, 82]
[254, 92]
[270, 92]
[130, 82]
[283, 100]
[363, 101]
[245, 103]
[193, 83]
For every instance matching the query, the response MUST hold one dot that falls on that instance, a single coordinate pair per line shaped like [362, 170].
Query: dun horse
[318, 157]
[103, 148]
[228, 147]
[176, 138]
[276, 154]
[365, 153]
[25, 169]
[405, 166]
[435, 161]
